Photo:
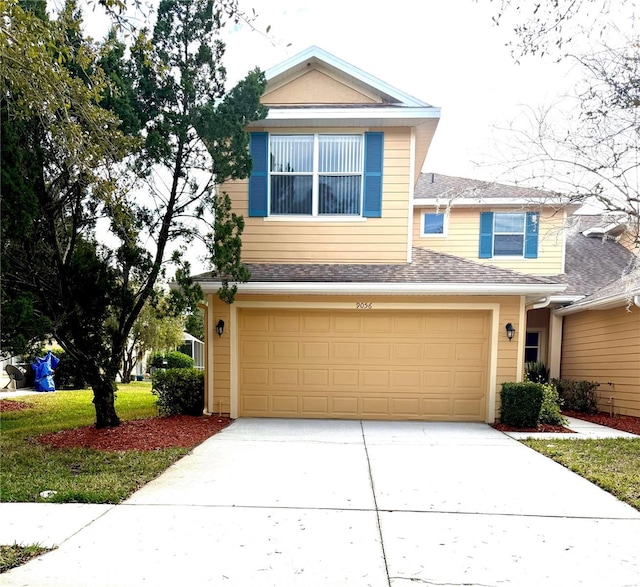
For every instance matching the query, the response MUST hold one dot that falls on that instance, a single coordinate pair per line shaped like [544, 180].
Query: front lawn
[610, 463]
[75, 475]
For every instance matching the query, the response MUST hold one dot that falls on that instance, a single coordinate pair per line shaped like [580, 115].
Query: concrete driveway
[347, 503]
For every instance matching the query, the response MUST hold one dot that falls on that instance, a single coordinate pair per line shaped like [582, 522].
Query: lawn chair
[15, 374]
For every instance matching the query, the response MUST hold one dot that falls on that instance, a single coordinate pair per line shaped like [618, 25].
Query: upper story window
[512, 234]
[508, 235]
[433, 224]
[316, 174]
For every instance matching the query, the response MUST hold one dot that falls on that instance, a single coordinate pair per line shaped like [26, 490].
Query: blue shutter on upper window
[259, 178]
[531, 236]
[373, 160]
[486, 235]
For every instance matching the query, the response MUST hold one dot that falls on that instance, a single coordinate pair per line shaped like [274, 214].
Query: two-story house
[377, 292]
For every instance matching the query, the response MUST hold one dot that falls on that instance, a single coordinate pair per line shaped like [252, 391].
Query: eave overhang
[347, 117]
[531, 292]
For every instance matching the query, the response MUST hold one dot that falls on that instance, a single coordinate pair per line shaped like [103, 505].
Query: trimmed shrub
[521, 404]
[179, 391]
[174, 359]
[550, 412]
[579, 396]
[537, 372]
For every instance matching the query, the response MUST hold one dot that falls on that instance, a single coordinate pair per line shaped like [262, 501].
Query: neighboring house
[377, 292]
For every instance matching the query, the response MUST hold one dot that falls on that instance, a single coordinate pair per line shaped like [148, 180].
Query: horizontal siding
[374, 240]
[463, 239]
[221, 357]
[604, 346]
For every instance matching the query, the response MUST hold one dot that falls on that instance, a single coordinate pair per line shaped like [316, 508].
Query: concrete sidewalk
[326, 502]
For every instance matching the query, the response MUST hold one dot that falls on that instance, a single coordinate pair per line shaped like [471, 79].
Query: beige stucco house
[377, 292]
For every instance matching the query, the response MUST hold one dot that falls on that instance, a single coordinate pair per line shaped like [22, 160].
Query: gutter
[373, 288]
[603, 304]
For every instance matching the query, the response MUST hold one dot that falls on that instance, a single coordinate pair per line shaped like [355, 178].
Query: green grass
[15, 555]
[76, 475]
[610, 463]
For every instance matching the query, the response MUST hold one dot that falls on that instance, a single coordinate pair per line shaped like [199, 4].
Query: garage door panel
[253, 350]
[286, 323]
[406, 380]
[468, 408]
[254, 376]
[345, 378]
[374, 378]
[315, 350]
[376, 351]
[386, 365]
[470, 353]
[315, 377]
[437, 352]
[346, 351]
[410, 352]
[376, 324]
[285, 404]
[285, 377]
[285, 350]
[375, 406]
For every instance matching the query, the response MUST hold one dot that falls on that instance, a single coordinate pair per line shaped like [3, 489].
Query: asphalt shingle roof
[592, 262]
[427, 267]
[435, 185]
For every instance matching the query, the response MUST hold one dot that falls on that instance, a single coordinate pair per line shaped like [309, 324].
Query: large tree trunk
[104, 395]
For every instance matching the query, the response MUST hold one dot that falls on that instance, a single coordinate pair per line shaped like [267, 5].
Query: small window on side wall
[433, 224]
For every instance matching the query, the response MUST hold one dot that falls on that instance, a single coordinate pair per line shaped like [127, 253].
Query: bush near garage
[551, 410]
[578, 396]
[179, 391]
[174, 360]
[521, 404]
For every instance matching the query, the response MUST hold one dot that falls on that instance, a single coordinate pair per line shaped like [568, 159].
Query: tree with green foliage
[156, 329]
[110, 159]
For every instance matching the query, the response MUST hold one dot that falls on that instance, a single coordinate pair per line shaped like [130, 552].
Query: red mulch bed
[541, 428]
[625, 423]
[12, 406]
[145, 434]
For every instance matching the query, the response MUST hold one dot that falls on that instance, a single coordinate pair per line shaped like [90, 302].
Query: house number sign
[364, 306]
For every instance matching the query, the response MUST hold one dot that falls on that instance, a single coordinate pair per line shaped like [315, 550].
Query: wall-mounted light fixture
[220, 327]
[510, 330]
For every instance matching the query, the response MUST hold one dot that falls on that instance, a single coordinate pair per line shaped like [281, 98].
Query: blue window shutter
[259, 178]
[486, 235]
[531, 236]
[373, 160]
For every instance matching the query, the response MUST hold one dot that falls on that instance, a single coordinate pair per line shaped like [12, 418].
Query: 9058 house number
[364, 306]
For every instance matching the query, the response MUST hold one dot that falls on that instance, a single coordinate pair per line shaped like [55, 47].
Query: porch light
[220, 327]
[510, 330]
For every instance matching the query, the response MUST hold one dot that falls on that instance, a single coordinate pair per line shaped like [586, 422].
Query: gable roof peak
[312, 55]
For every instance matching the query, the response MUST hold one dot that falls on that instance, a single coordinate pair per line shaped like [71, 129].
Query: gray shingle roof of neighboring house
[592, 262]
[426, 267]
[435, 185]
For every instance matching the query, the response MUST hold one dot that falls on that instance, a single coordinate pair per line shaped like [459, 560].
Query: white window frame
[542, 346]
[496, 233]
[316, 175]
[445, 224]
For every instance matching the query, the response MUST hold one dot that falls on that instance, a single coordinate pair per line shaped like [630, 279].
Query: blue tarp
[43, 368]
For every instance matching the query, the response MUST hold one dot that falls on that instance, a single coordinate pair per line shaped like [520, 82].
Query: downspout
[543, 304]
[205, 310]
